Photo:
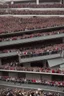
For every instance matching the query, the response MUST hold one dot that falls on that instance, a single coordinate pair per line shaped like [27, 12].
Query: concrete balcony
[31, 72]
[28, 40]
[38, 58]
[8, 54]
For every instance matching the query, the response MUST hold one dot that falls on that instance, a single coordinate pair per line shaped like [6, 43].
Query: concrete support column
[19, 57]
[0, 73]
[44, 62]
[37, 2]
[63, 40]
[63, 1]
[60, 1]
[0, 62]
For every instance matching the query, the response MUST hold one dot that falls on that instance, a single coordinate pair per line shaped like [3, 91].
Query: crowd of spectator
[25, 92]
[31, 80]
[30, 12]
[39, 50]
[15, 66]
[15, 24]
[31, 35]
[42, 50]
[33, 5]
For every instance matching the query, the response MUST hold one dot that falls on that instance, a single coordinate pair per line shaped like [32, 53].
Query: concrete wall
[13, 74]
[37, 76]
[26, 64]
[46, 77]
[0, 73]
[31, 0]
[33, 76]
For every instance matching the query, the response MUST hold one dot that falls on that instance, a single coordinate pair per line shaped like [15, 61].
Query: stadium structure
[32, 45]
[33, 1]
